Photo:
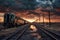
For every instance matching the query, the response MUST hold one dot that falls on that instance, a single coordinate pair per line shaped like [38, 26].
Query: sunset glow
[1, 17]
[29, 20]
[34, 17]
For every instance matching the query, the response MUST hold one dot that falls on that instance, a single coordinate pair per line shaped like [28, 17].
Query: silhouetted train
[10, 20]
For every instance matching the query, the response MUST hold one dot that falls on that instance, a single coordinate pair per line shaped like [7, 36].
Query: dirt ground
[7, 31]
[54, 26]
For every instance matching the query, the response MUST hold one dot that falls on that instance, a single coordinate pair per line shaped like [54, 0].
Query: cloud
[19, 4]
[56, 4]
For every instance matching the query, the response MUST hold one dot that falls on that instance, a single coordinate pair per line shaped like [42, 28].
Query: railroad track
[45, 34]
[17, 34]
[51, 34]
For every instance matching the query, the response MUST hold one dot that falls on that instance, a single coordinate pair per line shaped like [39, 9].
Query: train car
[9, 19]
[19, 21]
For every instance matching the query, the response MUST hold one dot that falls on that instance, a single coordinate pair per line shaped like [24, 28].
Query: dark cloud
[19, 4]
[34, 13]
[56, 4]
[57, 13]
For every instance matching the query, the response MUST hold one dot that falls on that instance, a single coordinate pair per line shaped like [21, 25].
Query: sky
[27, 4]
[35, 5]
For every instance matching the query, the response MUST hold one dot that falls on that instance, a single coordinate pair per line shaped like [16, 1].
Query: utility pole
[43, 19]
[49, 17]
[39, 18]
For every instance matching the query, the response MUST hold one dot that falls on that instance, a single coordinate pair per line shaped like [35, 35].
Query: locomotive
[10, 20]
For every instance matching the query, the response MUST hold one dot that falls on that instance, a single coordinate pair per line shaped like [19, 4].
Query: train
[11, 20]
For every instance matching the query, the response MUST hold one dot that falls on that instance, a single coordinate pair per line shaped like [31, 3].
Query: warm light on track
[33, 28]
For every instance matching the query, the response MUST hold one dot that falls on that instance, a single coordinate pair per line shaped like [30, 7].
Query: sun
[30, 20]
